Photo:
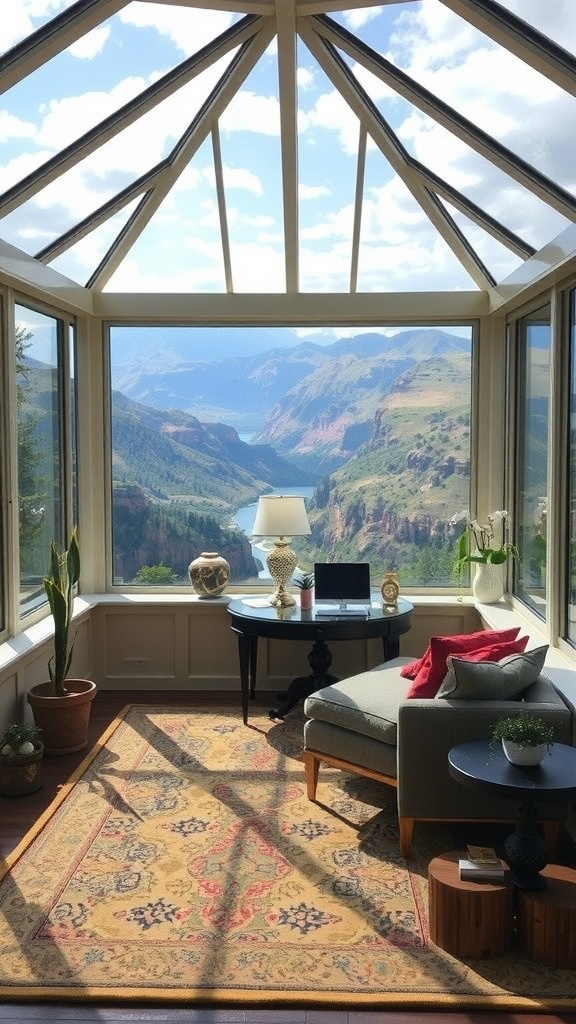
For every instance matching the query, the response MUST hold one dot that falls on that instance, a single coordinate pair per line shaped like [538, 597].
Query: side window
[532, 450]
[39, 412]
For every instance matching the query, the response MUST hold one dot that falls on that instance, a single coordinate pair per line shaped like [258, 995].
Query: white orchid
[476, 542]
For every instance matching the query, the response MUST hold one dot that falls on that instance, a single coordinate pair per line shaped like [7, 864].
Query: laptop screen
[342, 583]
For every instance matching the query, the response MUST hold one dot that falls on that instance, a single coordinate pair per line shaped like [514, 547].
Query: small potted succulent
[21, 751]
[305, 583]
[525, 738]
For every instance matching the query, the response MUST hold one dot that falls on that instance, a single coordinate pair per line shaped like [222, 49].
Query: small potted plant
[305, 583]
[61, 707]
[525, 737]
[21, 751]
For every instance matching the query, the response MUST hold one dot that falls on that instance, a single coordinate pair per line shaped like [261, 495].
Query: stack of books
[482, 865]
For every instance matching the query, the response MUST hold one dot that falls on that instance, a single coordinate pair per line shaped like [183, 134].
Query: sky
[180, 249]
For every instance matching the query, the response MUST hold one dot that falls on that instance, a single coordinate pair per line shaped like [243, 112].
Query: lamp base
[281, 562]
[281, 598]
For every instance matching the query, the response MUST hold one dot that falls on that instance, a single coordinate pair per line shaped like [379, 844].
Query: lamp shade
[281, 515]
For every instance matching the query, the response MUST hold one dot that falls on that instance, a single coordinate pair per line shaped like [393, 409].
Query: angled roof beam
[400, 161]
[239, 68]
[52, 38]
[221, 200]
[511, 32]
[480, 217]
[461, 127]
[286, 31]
[126, 115]
[101, 215]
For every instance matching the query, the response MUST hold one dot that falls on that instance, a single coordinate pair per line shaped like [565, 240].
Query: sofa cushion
[487, 680]
[494, 653]
[411, 670]
[366, 703]
[427, 682]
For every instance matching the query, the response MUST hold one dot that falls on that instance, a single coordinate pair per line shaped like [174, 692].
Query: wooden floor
[18, 815]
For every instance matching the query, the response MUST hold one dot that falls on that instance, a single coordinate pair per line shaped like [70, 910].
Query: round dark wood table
[250, 623]
[480, 764]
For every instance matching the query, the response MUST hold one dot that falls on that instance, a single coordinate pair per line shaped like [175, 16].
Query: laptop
[342, 588]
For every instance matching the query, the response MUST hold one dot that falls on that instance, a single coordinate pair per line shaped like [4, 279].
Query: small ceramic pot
[209, 574]
[522, 755]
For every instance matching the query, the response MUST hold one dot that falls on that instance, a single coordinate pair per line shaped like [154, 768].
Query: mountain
[323, 421]
[283, 392]
[393, 500]
[173, 454]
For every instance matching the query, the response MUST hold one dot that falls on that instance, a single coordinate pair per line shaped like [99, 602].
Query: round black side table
[480, 765]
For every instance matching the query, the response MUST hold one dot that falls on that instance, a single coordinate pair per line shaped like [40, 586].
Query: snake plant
[59, 586]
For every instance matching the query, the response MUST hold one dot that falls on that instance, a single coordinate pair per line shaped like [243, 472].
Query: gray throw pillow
[493, 680]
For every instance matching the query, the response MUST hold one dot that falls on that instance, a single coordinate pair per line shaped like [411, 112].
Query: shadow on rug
[185, 864]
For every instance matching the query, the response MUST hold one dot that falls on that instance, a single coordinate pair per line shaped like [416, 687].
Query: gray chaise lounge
[365, 725]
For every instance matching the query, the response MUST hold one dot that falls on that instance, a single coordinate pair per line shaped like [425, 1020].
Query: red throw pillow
[431, 673]
[411, 671]
[495, 652]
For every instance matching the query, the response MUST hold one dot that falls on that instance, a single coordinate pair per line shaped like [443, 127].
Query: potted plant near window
[477, 546]
[305, 583]
[21, 751]
[525, 738]
[62, 706]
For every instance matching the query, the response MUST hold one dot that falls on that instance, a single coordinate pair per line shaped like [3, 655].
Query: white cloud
[91, 44]
[361, 16]
[312, 191]
[187, 30]
[250, 112]
[12, 127]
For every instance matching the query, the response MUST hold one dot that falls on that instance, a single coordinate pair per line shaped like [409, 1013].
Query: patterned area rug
[184, 863]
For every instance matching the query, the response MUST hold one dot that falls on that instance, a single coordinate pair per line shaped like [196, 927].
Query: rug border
[193, 997]
[66, 787]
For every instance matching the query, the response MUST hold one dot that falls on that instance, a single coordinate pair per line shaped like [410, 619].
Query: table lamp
[281, 516]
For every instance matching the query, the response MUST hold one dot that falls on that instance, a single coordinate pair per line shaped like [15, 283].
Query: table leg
[253, 661]
[391, 646]
[525, 850]
[319, 659]
[245, 670]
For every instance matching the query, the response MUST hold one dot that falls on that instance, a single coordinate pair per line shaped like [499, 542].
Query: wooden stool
[468, 919]
[547, 919]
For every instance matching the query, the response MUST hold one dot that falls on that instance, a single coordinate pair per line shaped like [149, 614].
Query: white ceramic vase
[488, 582]
[522, 755]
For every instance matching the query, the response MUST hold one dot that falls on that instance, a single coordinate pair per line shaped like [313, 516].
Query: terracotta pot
[307, 599]
[22, 773]
[63, 720]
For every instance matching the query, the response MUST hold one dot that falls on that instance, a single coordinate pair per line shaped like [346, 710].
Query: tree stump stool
[547, 919]
[469, 919]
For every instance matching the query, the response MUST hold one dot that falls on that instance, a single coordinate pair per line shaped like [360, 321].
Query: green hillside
[392, 502]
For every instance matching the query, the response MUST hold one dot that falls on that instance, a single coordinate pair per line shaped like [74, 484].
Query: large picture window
[532, 452]
[372, 426]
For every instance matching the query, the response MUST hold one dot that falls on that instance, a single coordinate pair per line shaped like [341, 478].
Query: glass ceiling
[287, 145]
